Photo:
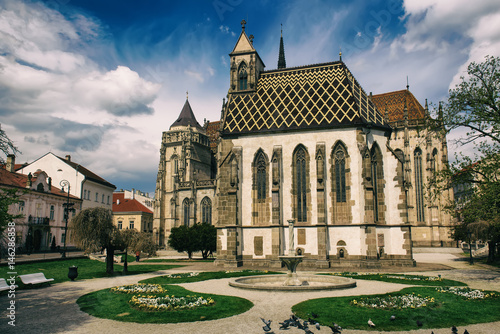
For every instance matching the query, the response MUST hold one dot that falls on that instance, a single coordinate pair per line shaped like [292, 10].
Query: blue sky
[101, 80]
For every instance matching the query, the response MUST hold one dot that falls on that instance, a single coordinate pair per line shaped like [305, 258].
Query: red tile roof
[18, 180]
[395, 102]
[122, 204]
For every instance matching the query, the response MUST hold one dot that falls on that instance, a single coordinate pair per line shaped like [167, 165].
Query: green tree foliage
[8, 198]
[92, 229]
[199, 237]
[473, 107]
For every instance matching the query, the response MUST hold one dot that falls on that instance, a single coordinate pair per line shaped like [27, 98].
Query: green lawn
[87, 269]
[402, 279]
[446, 310]
[111, 305]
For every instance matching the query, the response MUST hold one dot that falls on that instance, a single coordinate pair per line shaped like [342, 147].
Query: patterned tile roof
[315, 96]
[395, 102]
[186, 117]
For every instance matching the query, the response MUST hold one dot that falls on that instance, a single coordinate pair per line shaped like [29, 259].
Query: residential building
[85, 184]
[43, 208]
[131, 214]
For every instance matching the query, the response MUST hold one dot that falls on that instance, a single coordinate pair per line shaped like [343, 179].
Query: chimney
[11, 161]
[68, 157]
[133, 193]
[50, 183]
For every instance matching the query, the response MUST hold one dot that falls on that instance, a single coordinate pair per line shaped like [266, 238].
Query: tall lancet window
[301, 184]
[340, 174]
[243, 76]
[377, 182]
[419, 185]
[261, 177]
[185, 206]
[206, 210]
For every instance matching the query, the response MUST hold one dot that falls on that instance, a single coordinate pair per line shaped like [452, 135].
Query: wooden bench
[4, 286]
[37, 278]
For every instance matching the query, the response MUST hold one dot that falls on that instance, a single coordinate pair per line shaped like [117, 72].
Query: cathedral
[305, 146]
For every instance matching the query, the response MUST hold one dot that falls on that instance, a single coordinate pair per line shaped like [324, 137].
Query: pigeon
[266, 328]
[267, 322]
[336, 329]
[419, 323]
[466, 332]
[285, 324]
[307, 331]
[314, 315]
[370, 323]
[318, 327]
[393, 317]
[454, 330]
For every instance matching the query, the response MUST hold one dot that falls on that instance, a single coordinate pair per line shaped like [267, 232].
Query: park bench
[37, 278]
[4, 286]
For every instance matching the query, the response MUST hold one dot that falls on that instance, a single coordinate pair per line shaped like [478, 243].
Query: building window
[206, 210]
[85, 194]
[97, 197]
[261, 177]
[419, 185]
[434, 160]
[51, 212]
[108, 199]
[120, 225]
[102, 201]
[377, 182]
[243, 76]
[21, 206]
[131, 225]
[301, 184]
[340, 175]
[185, 206]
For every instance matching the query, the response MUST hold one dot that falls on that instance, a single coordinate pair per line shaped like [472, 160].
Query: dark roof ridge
[337, 62]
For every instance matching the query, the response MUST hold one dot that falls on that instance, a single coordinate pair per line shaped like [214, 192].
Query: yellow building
[131, 214]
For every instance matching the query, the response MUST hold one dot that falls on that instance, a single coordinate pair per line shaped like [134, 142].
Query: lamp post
[67, 209]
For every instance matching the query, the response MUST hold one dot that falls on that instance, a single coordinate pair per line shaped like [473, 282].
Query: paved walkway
[54, 310]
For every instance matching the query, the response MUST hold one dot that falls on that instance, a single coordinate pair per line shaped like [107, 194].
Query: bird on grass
[454, 330]
[393, 317]
[370, 323]
[318, 327]
[314, 315]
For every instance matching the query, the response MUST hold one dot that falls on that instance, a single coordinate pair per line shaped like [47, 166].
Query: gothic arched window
[340, 187]
[261, 183]
[301, 184]
[377, 182]
[419, 185]
[243, 76]
[206, 210]
[185, 207]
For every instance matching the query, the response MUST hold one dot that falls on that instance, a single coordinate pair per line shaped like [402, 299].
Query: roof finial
[187, 94]
[407, 84]
[243, 22]
[340, 54]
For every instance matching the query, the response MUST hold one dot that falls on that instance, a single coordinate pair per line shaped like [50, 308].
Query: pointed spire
[281, 57]
[186, 117]
[426, 109]
[340, 54]
[407, 84]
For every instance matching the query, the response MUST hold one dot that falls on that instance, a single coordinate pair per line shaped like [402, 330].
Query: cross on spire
[243, 22]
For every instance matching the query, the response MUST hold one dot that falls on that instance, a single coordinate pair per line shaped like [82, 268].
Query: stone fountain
[291, 260]
[293, 282]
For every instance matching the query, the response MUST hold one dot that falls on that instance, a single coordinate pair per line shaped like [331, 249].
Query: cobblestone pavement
[53, 309]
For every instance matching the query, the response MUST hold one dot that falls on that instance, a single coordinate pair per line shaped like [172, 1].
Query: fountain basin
[276, 283]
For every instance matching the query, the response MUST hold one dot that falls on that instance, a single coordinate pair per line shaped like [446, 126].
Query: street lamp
[67, 209]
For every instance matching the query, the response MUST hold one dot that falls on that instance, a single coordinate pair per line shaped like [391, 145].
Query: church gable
[317, 96]
[394, 103]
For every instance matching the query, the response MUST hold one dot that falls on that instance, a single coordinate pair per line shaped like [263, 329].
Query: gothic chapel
[304, 144]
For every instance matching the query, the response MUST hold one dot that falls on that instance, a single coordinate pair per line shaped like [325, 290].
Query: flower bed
[182, 275]
[394, 302]
[139, 288]
[467, 293]
[169, 303]
[393, 276]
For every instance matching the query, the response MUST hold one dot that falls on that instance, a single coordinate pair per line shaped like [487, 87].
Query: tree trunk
[110, 254]
[189, 255]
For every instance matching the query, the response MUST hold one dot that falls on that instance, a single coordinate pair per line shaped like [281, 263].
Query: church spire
[281, 57]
